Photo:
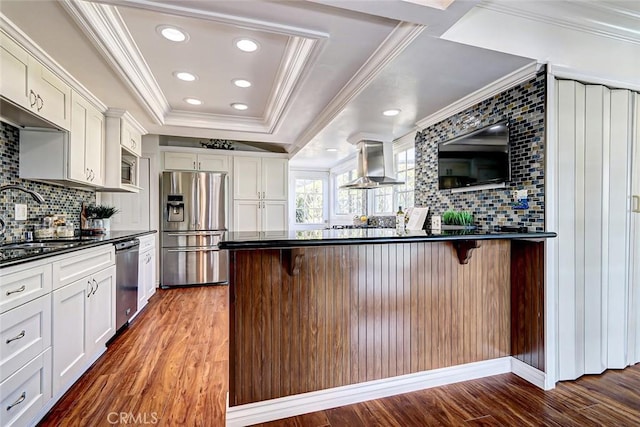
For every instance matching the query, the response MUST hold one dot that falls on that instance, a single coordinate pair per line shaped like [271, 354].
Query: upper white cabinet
[86, 141]
[196, 162]
[260, 178]
[29, 84]
[122, 152]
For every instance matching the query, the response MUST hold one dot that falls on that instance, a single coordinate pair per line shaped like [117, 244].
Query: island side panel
[362, 312]
[527, 302]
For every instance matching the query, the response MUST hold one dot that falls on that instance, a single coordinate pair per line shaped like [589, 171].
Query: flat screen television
[477, 158]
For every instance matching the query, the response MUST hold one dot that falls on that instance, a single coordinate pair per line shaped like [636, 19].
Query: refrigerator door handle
[215, 249]
[197, 233]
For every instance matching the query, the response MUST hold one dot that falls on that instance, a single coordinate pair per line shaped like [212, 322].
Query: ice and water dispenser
[175, 208]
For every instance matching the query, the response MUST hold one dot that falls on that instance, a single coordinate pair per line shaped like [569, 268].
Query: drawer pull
[21, 399]
[16, 291]
[94, 291]
[17, 337]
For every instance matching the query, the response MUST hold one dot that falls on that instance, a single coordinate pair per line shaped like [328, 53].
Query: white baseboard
[290, 406]
[529, 373]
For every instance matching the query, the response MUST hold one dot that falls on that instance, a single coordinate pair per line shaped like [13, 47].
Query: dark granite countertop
[10, 257]
[325, 237]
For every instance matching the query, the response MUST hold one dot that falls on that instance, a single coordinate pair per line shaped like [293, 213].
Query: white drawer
[25, 393]
[23, 283]
[147, 241]
[25, 332]
[81, 264]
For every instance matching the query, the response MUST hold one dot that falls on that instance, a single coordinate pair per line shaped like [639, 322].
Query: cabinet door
[150, 273]
[142, 279]
[247, 215]
[246, 178]
[14, 71]
[53, 95]
[274, 215]
[213, 162]
[131, 138]
[94, 147]
[77, 170]
[70, 347]
[274, 179]
[180, 161]
[101, 320]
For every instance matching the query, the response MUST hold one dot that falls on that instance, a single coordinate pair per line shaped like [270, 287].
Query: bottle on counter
[400, 220]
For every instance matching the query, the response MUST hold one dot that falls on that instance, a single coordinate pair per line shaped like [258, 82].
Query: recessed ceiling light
[246, 45]
[331, 150]
[174, 34]
[391, 113]
[193, 101]
[239, 106]
[184, 76]
[242, 83]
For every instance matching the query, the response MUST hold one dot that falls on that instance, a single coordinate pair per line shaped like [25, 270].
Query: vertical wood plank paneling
[358, 313]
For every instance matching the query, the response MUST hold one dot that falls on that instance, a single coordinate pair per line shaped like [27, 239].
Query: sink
[58, 244]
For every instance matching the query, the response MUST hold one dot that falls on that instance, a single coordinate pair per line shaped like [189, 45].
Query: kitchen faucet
[34, 194]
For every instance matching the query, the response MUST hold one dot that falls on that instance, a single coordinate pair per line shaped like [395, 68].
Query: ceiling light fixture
[247, 45]
[193, 101]
[184, 76]
[332, 150]
[239, 106]
[174, 34]
[391, 113]
[242, 83]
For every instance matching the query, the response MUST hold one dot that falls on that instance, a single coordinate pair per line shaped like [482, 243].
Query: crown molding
[583, 25]
[518, 76]
[36, 51]
[216, 121]
[120, 113]
[107, 31]
[401, 36]
[189, 12]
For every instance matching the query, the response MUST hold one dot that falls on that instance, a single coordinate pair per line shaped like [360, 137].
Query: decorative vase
[106, 225]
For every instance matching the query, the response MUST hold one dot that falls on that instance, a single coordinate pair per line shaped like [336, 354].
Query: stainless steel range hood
[372, 166]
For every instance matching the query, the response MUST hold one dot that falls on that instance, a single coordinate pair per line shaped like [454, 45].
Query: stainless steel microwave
[128, 170]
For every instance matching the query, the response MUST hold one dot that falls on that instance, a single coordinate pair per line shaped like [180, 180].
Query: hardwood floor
[171, 367]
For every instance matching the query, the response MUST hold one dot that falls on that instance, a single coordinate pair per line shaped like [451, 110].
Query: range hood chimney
[374, 159]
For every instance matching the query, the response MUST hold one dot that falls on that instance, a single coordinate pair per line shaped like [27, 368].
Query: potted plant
[457, 220]
[98, 217]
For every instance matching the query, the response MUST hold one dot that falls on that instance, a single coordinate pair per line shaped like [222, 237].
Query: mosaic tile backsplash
[58, 200]
[524, 105]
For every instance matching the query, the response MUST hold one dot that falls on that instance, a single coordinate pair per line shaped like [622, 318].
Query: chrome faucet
[34, 194]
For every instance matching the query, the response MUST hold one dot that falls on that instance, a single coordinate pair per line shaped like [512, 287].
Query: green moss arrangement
[100, 211]
[461, 218]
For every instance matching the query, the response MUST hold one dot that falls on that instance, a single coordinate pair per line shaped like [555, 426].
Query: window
[348, 201]
[309, 201]
[386, 200]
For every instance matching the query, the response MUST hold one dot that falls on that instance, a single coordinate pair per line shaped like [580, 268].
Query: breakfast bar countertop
[358, 236]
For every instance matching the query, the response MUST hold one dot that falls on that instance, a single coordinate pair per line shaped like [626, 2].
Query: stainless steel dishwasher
[126, 281]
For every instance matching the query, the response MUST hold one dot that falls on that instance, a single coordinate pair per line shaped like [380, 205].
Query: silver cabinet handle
[263, 194]
[199, 165]
[17, 337]
[87, 174]
[17, 291]
[32, 98]
[41, 102]
[194, 250]
[636, 204]
[97, 284]
[21, 399]
[194, 165]
[90, 288]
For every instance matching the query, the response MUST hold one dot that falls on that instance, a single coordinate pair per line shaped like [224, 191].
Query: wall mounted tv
[477, 158]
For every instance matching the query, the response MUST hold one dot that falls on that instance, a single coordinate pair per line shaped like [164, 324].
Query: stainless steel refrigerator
[193, 223]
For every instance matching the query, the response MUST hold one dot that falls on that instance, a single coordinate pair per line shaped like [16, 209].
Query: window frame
[405, 143]
[295, 174]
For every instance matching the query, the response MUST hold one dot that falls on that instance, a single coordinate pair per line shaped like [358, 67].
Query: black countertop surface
[10, 257]
[325, 237]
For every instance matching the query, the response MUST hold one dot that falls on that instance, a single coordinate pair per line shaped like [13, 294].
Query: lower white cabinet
[260, 215]
[83, 321]
[146, 270]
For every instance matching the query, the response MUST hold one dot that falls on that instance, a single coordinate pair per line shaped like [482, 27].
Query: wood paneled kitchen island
[321, 309]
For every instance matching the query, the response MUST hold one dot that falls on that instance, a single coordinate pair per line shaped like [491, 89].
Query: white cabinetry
[86, 142]
[260, 188]
[146, 270]
[122, 152]
[83, 312]
[29, 84]
[195, 161]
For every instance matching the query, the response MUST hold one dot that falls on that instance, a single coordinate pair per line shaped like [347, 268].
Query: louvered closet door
[594, 141]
